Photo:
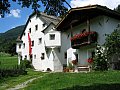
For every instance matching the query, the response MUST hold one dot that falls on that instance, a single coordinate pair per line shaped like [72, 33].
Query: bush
[26, 63]
[14, 71]
[100, 60]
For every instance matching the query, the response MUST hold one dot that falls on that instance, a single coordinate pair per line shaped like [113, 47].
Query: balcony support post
[88, 27]
[88, 24]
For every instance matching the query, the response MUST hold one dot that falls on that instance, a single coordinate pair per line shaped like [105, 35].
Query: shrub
[100, 60]
[25, 63]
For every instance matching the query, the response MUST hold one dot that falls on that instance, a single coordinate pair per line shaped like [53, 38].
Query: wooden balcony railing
[83, 39]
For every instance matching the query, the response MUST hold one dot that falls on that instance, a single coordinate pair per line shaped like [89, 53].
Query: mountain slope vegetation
[8, 39]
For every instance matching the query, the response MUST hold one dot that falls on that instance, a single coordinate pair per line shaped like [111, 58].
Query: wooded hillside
[8, 39]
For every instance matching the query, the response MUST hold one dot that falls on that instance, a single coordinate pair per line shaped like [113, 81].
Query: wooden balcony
[83, 39]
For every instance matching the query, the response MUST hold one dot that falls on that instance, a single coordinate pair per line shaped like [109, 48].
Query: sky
[18, 16]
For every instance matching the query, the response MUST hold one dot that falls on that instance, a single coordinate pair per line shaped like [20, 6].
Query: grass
[109, 80]
[7, 61]
[12, 81]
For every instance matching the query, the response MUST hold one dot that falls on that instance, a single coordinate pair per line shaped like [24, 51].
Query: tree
[117, 8]
[52, 7]
[112, 43]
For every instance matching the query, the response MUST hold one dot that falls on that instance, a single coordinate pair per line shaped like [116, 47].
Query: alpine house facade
[51, 43]
[40, 42]
[82, 28]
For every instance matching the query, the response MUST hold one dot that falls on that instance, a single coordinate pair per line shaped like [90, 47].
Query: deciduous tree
[52, 7]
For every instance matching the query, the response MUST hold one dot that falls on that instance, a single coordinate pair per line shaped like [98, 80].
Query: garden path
[24, 84]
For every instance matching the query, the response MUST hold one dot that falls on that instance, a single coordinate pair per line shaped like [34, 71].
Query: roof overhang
[79, 15]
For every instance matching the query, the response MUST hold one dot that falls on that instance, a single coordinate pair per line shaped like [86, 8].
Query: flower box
[82, 39]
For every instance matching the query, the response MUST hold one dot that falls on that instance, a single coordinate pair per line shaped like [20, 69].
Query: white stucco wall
[52, 43]
[101, 24]
[51, 59]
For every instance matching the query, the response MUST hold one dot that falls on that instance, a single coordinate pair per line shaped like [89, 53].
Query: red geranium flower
[90, 60]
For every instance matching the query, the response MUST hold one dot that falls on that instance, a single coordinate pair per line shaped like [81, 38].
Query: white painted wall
[51, 59]
[53, 43]
[102, 25]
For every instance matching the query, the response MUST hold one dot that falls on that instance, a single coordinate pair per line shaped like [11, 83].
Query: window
[30, 30]
[65, 55]
[36, 27]
[92, 54]
[44, 24]
[30, 20]
[23, 45]
[42, 56]
[24, 33]
[40, 40]
[19, 46]
[32, 43]
[52, 36]
[34, 56]
[25, 57]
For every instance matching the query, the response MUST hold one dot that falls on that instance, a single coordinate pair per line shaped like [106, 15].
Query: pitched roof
[47, 19]
[78, 15]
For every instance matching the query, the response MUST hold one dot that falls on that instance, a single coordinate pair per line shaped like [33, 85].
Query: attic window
[52, 36]
[36, 27]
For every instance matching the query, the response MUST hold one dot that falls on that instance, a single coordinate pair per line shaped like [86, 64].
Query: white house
[82, 27]
[40, 42]
[50, 43]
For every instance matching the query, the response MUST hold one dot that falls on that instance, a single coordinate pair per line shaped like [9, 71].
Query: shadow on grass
[94, 87]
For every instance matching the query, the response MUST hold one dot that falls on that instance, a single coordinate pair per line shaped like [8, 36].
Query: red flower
[81, 35]
[90, 60]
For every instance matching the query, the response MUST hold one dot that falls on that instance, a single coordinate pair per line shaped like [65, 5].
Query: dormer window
[52, 36]
[36, 27]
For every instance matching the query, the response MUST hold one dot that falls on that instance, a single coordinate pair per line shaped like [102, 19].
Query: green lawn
[7, 61]
[9, 82]
[109, 80]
